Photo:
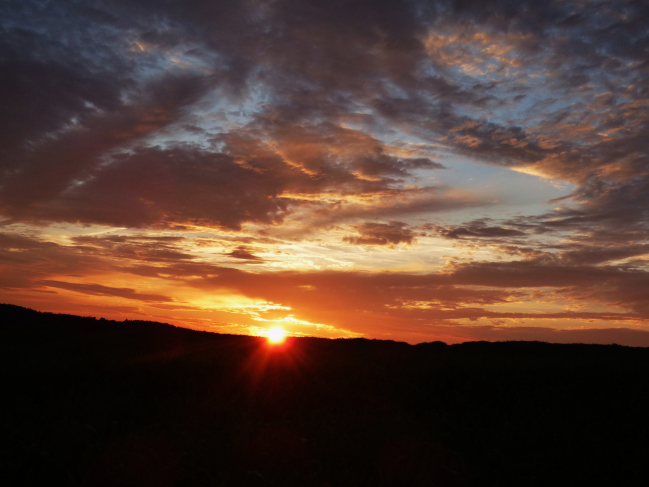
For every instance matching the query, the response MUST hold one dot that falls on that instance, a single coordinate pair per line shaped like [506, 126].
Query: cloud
[243, 253]
[598, 255]
[412, 306]
[479, 229]
[100, 290]
[56, 166]
[385, 234]
[140, 247]
[614, 285]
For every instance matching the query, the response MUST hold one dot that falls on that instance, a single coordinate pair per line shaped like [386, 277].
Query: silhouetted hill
[101, 403]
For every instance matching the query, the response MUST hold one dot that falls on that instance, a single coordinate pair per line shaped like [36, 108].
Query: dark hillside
[102, 403]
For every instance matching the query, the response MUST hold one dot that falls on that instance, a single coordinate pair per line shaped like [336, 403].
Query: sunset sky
[406, 170]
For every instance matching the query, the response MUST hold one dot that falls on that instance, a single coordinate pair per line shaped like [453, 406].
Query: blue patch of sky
[504, 185]
[216, 113]
[507, 186]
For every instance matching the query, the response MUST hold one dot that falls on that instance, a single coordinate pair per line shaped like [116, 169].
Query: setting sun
[276, 335]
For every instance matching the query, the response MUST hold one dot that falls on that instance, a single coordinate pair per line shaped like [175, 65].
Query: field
[102, 403]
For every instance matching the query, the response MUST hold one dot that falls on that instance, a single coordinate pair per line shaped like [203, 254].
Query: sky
[405, 170]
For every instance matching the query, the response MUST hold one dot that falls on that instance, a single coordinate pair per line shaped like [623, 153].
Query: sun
[276, 335]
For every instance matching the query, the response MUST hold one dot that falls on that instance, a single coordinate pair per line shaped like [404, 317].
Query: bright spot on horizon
[276, 335]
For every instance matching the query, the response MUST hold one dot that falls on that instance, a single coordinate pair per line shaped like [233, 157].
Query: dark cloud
[597, 255]
[614, 285]
[57, 66]
[243, 253]
[609, 210]
[24, 259]
[479, 229]
[75, 98]
[47, 172]
[389, 234]
[136, 247]
[152, 186]
[100, 290]
[382, 164]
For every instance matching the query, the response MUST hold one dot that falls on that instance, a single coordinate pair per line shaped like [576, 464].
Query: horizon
[412, 171]
[273, 341]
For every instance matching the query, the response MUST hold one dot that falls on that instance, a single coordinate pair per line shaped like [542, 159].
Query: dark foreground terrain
[103, 403]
